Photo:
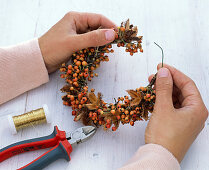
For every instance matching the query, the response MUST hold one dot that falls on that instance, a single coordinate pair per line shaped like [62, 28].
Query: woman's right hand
[179, 114]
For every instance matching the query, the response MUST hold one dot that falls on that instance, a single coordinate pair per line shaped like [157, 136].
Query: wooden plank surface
[180, 27]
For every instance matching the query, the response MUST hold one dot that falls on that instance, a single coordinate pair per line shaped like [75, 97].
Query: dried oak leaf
[85, 117]
[95, 101]
[145, 113]
[78, 117]
[135, 31]
[127, 24]
[66, 88]
[135, 97]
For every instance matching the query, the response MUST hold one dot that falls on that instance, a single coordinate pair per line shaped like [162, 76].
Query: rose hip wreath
[91, 109]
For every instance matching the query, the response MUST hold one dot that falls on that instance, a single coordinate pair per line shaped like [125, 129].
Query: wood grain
[180, 27]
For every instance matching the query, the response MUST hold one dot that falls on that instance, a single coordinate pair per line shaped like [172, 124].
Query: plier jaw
[80, 135]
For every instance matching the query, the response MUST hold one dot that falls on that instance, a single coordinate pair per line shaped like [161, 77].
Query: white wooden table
[180, 27]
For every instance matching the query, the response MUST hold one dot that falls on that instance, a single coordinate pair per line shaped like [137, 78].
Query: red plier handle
[61, 149]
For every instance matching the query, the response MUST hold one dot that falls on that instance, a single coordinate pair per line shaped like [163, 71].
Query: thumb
[94, 38]
[164, 89]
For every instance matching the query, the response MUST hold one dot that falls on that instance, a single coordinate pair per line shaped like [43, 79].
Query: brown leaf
[135, 29]
[135, 97]
[144, 113]
[66, 88]
[99, 97]
[132, 93]
[127, 24]
[77, 118]
[135, 101]
[92, 97]
[91, 106]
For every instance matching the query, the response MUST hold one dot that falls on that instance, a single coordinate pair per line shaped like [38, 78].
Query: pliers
[62, 143]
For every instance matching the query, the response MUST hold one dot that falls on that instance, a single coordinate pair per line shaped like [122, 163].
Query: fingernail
[110, 35]
[163, 72]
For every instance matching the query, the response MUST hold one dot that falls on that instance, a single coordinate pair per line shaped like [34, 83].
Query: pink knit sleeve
[21, 69]
[152, 157]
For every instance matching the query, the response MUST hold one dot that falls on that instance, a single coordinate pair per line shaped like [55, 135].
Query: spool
[34, 117]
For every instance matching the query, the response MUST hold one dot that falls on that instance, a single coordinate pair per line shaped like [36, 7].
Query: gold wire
[31, 118]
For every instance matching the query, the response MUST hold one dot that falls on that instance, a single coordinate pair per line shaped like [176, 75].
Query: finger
[185, 84]
[150, 77]
[94, 38]
[164, 89]
[84, 21]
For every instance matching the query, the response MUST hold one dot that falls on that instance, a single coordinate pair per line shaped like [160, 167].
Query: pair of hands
[179, 112]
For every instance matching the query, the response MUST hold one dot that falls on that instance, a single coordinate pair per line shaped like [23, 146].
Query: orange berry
[123, 116]
[126, 101]
[86, 74]
[76, 102]
[62, 75]
[75, 84]
[90, 114]
[114, 128]
[75, 79]
[100, 122]
[92, 68]
[84, 63]
[122, 29]
[95, 114]
[112, 111]
[75, 67]
[70, 67]
[86, 69]
[152, 97]
[77, 71]
[72, 97]
[81, 74]
[108, 126]
[73, 102]
[80, 96]
[132, 112]
[107, 59]
[92, 50]
[69, 71]
[131, 123]
[78, 63]
[75, 75]
[73, 112]
[84, 99]
[148, 95]
[126, 112]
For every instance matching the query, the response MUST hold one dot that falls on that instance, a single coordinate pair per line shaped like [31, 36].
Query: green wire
[162, 52]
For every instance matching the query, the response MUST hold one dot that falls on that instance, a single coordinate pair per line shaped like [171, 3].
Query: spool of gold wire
[32, 118]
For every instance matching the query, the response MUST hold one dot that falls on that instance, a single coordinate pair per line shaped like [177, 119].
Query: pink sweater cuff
[21, 69]
[152, 157]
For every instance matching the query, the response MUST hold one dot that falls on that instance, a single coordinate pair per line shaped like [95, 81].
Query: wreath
[89, 107]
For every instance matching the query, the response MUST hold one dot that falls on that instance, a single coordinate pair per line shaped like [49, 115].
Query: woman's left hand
[73, 32]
